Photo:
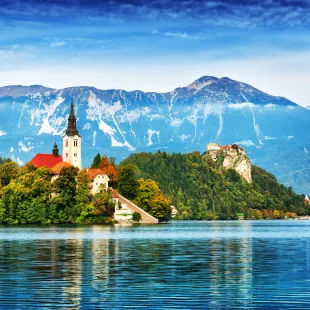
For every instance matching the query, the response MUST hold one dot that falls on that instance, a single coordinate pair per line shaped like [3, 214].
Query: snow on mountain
[19, 90]
[274, 130]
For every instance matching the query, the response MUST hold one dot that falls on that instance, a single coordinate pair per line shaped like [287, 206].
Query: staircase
[128, 208]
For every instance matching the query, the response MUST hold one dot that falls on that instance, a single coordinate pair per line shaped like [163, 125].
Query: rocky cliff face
[231, 158]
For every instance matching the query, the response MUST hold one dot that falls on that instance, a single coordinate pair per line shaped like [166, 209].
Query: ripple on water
[242, 264]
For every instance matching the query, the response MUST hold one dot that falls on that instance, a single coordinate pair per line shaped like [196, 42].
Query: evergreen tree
[96, 161]
[127, 183]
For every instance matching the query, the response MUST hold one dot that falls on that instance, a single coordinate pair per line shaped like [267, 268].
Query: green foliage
[150, 199]
[30, 197]
[201, 189]
[4, 160]
[136, 217]
[127, 182]
[96, 161]
[8, 171]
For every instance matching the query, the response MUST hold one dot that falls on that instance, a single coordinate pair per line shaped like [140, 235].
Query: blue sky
[157, 45]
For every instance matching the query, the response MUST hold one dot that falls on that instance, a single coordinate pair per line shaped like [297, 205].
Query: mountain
[274, 130]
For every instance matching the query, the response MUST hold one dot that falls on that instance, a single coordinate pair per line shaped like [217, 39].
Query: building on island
[307, 200]
[55, 171]
[72, 148]
[72, 142]
[72, 156]
[231, 157]
[97, 177]
[47, 160]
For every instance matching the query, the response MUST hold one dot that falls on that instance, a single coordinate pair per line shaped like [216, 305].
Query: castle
[233, 157]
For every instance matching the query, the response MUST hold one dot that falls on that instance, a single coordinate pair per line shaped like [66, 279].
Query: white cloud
[2, 133]
[58, 44]
[178, 34]
[247, 143]
[270, 138]
[239, 106]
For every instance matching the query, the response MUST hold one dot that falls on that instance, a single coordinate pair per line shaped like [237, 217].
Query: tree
[127, 183]
[4, 160]
[136, 217]
[150, 199]
[83, 195]
[160, 208]
[65, 187]
[109, 169]
[276, 214]
[147, 190]
[104, 207]
[96, 161]
[8, 171]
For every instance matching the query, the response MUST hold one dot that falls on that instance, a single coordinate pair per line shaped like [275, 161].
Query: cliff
[232, 157]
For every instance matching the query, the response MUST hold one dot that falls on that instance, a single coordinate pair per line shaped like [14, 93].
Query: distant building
[55, 171]
[72, 148]
[97, 177]
[72, 156]
[213, 146]
[72, 142]
[174, 211]
[47, 160]
[307, 200]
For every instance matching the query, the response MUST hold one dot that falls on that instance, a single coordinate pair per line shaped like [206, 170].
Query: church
[71, 156]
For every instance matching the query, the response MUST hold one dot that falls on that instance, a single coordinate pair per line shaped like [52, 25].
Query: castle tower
[72, 142]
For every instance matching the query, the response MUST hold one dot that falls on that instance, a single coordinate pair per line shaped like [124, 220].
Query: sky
[157, 45]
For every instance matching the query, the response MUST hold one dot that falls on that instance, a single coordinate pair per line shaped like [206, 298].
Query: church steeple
[55, 150]
[72, 130]
[72, 142]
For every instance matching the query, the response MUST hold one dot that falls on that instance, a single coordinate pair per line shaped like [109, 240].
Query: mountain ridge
[274, 130]
[195, 85]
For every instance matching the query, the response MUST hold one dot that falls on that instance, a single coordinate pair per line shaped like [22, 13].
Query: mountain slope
[274, 130]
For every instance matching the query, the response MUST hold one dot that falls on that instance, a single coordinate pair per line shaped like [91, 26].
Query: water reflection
[193, 267]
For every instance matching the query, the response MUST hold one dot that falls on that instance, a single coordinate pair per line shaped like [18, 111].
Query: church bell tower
[72, 142]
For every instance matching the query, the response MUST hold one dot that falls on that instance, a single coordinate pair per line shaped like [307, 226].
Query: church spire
[55, 150]
[72, 130]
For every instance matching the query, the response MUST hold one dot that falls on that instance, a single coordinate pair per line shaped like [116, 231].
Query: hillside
[201, 189]
[274, 130]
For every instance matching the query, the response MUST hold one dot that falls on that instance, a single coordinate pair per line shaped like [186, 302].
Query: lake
[182, 265]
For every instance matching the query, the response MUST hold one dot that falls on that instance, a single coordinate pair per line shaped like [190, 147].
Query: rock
[232, 157]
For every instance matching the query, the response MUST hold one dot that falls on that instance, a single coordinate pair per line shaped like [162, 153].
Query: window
[67, 142]
[75, 143]
[66, 154]
[75, 155]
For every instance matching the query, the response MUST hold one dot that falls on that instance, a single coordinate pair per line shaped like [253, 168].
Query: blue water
[183, 265]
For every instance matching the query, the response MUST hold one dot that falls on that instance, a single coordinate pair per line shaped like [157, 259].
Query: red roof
[47, 160]
[56, 169]
[92, 173]
[223, 147]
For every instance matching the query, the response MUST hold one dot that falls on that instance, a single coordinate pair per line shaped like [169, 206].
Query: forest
[196, 185]
[200, 189]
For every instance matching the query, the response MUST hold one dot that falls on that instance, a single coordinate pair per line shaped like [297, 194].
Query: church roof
[45, 160]
[56, 169]
[72, 130]
[92, 173]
